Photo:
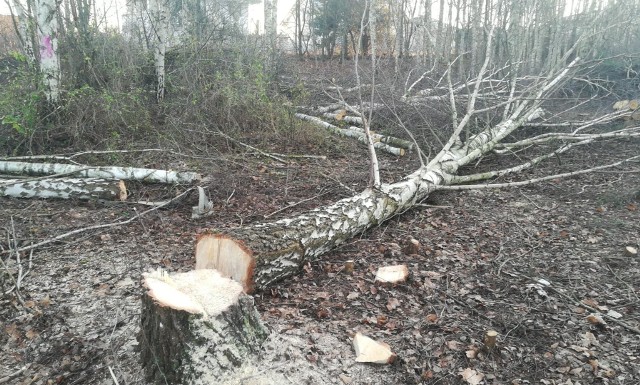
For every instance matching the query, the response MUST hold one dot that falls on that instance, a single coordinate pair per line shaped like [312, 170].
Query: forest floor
[482, 256]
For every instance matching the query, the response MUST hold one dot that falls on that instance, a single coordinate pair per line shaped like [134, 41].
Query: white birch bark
[24, 32]
[47, 24]
[65, 189]
[379, 142]
[159, 12]
[271, 31]
[120, 173]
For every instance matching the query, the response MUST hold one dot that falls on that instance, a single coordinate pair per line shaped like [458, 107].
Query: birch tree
[24, 29]
[47, 22]
[159, 13]
[271, 32]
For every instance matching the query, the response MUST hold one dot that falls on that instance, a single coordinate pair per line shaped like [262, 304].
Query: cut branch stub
[196, 327]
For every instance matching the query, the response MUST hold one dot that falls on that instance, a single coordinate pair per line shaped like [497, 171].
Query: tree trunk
[125, 173]
[23, 30]
[379, 140]
[65, 189]
[271, 33]
[47, 22]
[196, 327]
[160, 19]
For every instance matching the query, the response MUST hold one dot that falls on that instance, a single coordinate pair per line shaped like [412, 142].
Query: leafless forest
[329, 192]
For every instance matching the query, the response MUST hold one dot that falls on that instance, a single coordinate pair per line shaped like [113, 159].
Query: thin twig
[294, 205]
[113, 376]
[582, 304]
[14, 374]
[102, 226]
[253, 148]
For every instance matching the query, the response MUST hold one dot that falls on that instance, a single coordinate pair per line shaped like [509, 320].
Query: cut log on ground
[390, 140]
[343, 118]
[196, 327]
[357, 134]
[119, 173]
[65, 188]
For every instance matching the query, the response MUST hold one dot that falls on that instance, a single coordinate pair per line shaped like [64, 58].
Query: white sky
[111, 11]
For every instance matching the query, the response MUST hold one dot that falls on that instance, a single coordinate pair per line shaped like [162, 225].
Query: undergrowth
[106, 106]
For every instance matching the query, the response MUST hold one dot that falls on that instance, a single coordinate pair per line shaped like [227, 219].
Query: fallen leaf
[596, 319]
[614, 314]
[472, 376]
[426, 375]
[454, 345]
[353, 295]
[31, 334]
[392, 303]
[432, 318]
[12, 331]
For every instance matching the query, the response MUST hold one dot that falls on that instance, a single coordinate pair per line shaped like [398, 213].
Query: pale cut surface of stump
[196, 327]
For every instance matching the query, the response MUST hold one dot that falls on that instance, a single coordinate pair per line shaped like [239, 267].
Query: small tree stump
[490, 338]
[196, 327]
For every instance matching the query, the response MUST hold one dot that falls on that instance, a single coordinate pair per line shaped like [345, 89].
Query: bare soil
[485, 260]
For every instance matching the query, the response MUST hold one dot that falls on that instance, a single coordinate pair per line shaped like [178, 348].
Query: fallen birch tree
[260, 255]
[65, 188]
[381, 142]
[119, 173]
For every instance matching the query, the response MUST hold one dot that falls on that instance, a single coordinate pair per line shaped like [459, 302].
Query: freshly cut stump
[196, 327]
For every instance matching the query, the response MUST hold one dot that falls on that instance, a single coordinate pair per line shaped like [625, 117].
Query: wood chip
[392, 274]
[369, 350]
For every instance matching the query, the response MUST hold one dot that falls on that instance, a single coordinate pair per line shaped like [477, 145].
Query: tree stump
[196, 327]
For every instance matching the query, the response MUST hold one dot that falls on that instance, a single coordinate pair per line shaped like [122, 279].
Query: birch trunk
[271, 32]
[123, 173]
[47, 24]
[379, 141]
[159, 13]
[21, 20]
[65, 189]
